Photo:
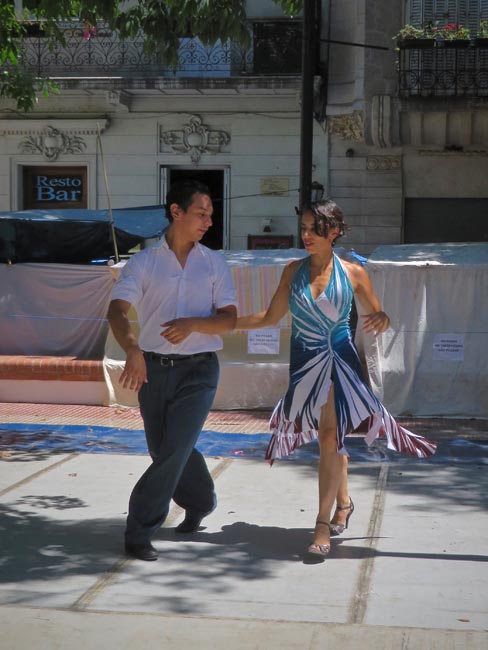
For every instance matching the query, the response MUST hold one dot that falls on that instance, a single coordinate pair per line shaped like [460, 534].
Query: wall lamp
[316, 191]
[266, 223]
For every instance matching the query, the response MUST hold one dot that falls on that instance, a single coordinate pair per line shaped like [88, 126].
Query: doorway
[216, 180]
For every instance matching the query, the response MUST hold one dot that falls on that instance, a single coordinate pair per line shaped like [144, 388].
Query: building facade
[408, 127]
[400, 137]
[229, 116]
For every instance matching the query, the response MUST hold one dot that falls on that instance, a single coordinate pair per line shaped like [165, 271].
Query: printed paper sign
[265, 341]
[448, 347]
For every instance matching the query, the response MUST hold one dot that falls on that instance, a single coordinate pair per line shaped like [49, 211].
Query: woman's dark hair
[182, 194]
[327, 215]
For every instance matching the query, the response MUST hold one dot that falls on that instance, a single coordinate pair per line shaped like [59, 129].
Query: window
[451, 68]
[463, 12]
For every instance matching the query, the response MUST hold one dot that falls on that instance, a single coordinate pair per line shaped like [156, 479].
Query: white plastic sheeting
[433, 361]
[54, 309]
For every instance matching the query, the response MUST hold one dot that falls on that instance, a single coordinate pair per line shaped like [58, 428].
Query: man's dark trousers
[174, 404]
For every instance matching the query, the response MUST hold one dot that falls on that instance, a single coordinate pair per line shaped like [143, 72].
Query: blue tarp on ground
[75, 236]
[84, 438]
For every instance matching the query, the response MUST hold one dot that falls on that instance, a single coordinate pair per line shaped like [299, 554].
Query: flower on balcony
[89, 30]
[409, 33]
[452, 32]
[483, 29]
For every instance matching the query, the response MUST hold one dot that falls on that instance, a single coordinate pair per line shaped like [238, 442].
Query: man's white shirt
[160, 290]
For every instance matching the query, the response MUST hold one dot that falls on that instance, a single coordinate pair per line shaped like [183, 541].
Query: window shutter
[428, 11]
[416, 11]
[470, 15]
[444, 11]
[464, 12]
[483, 9]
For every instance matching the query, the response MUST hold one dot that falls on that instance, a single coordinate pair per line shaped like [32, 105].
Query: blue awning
[75, 236]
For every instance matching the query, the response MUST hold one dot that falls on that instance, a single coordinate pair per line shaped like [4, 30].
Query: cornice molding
[453, 154]
[16, 128]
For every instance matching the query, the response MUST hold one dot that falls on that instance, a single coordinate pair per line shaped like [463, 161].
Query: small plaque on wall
[275, 185]
[263, 242]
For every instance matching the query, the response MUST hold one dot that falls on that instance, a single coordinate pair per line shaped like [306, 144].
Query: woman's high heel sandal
[321, 550]
[338, 529]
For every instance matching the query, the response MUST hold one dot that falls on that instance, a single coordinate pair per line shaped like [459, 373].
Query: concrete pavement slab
[248, 562]
[430, 564]
[23, 467]
[64, 528]
[47, 629]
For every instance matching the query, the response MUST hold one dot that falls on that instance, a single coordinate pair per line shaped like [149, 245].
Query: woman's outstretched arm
[277, 307]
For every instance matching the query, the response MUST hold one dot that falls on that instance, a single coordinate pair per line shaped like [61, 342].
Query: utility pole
[306, 126]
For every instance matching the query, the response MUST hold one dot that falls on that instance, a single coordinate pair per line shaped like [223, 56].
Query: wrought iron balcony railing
[274, 50]
[448, 70]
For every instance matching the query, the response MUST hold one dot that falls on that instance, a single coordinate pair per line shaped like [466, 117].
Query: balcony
[443, 69]
[274, 50]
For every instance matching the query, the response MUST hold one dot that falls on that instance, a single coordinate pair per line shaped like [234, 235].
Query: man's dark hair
[182, 194]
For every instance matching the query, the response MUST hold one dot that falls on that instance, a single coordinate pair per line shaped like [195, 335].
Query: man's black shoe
[145, 552]
[190, 524]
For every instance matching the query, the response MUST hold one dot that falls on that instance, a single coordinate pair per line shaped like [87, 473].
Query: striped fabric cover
[255, 286]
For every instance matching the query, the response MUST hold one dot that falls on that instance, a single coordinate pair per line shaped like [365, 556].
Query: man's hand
[177, 330]
[134, 374]
[376, 323]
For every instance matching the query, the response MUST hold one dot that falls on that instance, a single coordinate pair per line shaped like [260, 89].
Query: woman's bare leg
[332, 468]
[342, 499]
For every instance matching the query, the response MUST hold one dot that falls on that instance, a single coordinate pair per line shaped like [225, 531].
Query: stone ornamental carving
[348, 127]
[383, 163]
[195, 138]
[51, 143]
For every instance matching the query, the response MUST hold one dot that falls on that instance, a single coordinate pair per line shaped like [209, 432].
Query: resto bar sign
[65, 189]
[54, 187]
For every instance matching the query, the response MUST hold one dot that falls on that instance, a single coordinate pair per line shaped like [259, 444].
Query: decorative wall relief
[51, 143]
[348, 127]
[383, 163]
[194, 138]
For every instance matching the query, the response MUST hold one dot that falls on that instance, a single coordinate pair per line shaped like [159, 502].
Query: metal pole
[306, 127]
[109, 205]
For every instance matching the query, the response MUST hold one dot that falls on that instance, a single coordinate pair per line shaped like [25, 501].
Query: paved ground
[410, 573]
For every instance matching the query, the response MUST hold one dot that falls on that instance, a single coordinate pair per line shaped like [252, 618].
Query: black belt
[174, 359]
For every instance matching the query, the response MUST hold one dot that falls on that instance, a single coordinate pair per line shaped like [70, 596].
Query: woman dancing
[327, 396]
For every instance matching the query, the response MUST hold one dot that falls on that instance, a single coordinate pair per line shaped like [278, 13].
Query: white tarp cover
[54, 309]
[433, 361]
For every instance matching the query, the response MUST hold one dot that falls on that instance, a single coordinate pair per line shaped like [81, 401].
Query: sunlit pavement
[410, 572]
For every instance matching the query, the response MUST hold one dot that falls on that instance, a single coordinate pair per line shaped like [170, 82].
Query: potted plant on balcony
[481, 39]
[452, 35]
[410, 37]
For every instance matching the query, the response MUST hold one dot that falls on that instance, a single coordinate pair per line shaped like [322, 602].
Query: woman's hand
[375, 323]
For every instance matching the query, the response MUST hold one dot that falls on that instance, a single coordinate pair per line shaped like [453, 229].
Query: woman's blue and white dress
[322, 352]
